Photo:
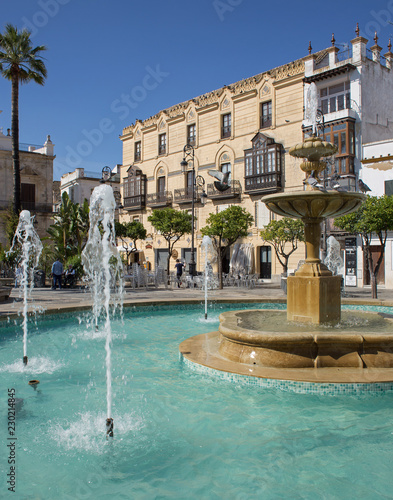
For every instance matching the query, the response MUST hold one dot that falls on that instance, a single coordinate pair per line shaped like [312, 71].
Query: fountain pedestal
[313, 294]
[314, 299]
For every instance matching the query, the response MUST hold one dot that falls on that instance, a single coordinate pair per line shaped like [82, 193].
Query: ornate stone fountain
[313, 293]
[313, 343]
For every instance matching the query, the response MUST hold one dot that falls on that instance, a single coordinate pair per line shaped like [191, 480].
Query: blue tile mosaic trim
[321, 389]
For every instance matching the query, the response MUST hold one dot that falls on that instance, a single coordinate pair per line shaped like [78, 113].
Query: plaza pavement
[47, 300]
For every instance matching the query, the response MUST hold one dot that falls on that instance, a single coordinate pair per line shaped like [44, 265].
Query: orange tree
[224, 228]
[373, 219]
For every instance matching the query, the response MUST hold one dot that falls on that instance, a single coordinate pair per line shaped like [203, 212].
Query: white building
[355, 89]
[377, 174]
[79, 184]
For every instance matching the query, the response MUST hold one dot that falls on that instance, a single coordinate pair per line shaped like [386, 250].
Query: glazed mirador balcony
[232, 192]
[263, 183]
[184, 195]
[160, 199]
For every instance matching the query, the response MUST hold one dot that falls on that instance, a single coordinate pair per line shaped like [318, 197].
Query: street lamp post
[199, 181]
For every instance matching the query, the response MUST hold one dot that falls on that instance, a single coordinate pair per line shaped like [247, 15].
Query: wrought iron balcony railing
[160, 199]
[184, 195]
[232, 192]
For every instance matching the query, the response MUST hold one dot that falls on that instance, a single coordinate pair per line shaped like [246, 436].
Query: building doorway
[265, 260]
[375, 251]
[161, 258]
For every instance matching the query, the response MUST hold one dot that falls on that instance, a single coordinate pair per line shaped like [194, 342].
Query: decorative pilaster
[389, 56]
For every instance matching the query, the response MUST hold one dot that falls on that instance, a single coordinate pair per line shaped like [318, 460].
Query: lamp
[196, 182]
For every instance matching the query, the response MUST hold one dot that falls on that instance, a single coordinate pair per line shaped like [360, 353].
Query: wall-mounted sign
[350, 262]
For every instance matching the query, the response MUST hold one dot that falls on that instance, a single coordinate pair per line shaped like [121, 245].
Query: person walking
[57, 272]
[179, 271]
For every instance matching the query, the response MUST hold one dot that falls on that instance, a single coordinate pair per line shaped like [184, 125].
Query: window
[262, 164]
[342, 135]
[138, 151]
[191, 134]
[136, 218]
[27, 196]
[162, 144]
[389, 188]
[189, 179]
[226, 167]
[134, 185]
[266, 114]
[226, 126]
[161, 184]
[335, 98]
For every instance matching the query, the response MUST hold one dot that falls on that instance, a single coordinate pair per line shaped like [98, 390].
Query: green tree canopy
[226, 227]
[133, 231]
[284, 236]
[19, 63]
[172, 225]
[374, 217]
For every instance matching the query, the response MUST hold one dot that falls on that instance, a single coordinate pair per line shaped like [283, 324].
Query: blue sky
[112, 62]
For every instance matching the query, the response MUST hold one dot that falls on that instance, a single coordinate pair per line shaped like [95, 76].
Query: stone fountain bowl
[313, 149]
[313, 204]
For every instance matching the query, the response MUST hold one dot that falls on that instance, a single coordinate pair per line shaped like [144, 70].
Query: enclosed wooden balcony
[263, 183]
[137, 202]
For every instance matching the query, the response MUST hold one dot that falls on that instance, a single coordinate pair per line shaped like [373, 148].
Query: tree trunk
[168, 260]
[373, 277]
[15, 142]
[374, 291]
[220, 257]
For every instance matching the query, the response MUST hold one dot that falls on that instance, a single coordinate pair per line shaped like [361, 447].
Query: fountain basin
[244, 340]
[263, 344]
[313, 204]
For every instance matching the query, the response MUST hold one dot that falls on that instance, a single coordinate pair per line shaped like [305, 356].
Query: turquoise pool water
[178, 435]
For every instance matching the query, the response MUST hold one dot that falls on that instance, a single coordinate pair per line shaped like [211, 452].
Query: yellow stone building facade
[246, 128]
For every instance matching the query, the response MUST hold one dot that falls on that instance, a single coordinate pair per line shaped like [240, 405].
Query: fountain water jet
[209, 253]
[333, 260]
[103, 267]
[28, 242]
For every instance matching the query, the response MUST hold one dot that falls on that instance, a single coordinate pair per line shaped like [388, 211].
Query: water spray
[28, 242]
[103, 267]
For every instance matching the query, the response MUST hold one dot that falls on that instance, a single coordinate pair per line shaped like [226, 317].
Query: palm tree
[20, 63]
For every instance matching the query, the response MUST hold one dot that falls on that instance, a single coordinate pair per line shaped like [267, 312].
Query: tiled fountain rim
[319, 388]
[164, 304]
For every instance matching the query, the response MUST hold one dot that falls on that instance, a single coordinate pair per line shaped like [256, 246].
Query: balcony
[263, 183]
[37, 207]
[134, 203]
[234, 191]
[184, 195]
[161, 199]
